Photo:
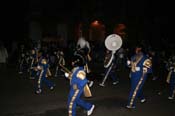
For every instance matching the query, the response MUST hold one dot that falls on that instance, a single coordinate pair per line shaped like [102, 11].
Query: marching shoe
[20, 72]
[143, 100]
[51, 88]
[116, 82]
[102, 85]
[89, 112]
[130, 107]
[38, 91]
[170, 98]
[91, 83]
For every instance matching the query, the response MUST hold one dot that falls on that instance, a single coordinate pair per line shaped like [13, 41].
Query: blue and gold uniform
[43, 73]
[140, 65]
[78, 84]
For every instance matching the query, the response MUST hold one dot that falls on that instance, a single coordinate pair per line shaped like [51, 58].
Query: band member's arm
[88, 46]
[82, 76]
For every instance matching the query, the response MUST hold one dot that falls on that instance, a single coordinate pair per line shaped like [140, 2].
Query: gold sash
[48, 73]
[168, 77]
[134, 64]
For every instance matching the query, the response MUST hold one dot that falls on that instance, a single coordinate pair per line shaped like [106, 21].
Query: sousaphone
[113, 42]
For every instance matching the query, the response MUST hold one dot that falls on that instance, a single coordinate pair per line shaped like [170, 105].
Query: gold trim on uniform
[134, 63]
[39, 80]
[74, 69]
[81, 75]
[72, 101]
[147, 63]
[145, 69]
[133, 66]
[168, 77]
[48, 73]
[136, 90]
[44, 61]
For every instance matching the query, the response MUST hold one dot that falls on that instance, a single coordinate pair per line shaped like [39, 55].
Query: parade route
[18, 98]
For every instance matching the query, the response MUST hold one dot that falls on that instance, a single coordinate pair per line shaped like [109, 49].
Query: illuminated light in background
[120, 29]
[95, 23]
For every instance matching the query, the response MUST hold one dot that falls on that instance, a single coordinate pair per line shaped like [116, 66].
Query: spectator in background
[3, 56]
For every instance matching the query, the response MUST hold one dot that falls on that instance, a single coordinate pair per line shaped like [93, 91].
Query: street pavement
[18, 98]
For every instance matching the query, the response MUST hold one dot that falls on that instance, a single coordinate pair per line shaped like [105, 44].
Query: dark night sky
[79, 8]
[18, 14]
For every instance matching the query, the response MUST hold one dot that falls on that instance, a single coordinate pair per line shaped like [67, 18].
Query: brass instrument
[66, 70]
[113, 42]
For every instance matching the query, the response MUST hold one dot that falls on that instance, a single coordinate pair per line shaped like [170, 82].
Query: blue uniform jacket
[78, 78]
[139, 65]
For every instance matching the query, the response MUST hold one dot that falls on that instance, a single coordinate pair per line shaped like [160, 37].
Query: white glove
[66, 75]
[137, 68]
[39, 67]
[128, 62]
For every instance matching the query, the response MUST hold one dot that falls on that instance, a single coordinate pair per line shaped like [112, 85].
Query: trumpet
[67, 72]
[64, 69]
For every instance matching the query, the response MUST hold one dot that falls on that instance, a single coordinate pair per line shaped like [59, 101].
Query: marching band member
[61, 61]
[111, 70]
[78, 83]
[113, 42]
[43, 72]
[84, 46]
[171, 77]
[140, 66]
